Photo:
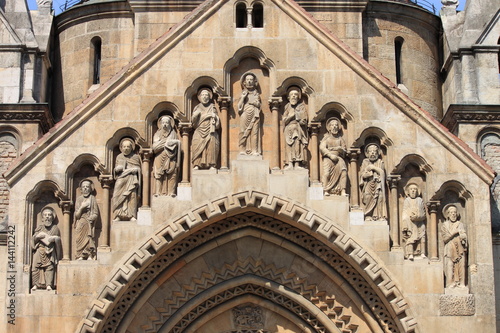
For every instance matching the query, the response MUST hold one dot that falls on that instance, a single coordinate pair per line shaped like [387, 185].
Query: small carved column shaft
[353, 169]
[106, 186]
[249, 17]
[66, 240]
[224, 119]
[394, 211]
[185, 129]
[432, 207]
[274, 104]
[146, 175]
[315, 152]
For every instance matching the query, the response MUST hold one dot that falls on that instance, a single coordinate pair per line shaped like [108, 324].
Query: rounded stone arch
[318, 243]
[78, 163]
[11, 135]
[250, 52]
[383, 139]
[413, 168]
[305, 88]
[159, 110]
[192, 92]
[114, 141]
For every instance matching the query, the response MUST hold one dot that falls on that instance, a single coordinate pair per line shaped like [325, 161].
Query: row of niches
[137, 169]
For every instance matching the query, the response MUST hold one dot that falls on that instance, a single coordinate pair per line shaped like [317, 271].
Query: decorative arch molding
[159, 109]
[373, 132]
[415, 159]
[333, 106]
[192, 90]
[81, 160]
[6, 129]
[250, 52]
[322, 238]
[454, 186]
[115, 141]
[305, 88]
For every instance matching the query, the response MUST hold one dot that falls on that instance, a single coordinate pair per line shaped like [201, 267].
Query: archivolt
[276, 215]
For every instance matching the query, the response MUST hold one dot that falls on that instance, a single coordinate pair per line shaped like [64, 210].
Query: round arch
[316, 243]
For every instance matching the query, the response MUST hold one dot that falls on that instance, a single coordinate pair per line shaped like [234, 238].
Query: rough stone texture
[457, 305]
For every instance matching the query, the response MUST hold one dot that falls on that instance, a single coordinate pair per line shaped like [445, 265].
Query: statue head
[249, 81]
[205, 96]
[166, 123]
[48, 216]
[333, 125]
[127, 146]
[86, 187]
[451, 212]
[294, 95]
[412, 190]
[372, 151]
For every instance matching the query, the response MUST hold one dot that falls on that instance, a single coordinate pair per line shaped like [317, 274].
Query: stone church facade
[249, 166]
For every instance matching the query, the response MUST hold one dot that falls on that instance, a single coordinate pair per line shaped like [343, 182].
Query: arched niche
[257, 240]
[375, 135]
[191, 94]
[112, 146]
[161, 109]
[46, 193]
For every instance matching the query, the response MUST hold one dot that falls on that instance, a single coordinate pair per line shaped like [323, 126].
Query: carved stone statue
[249, 108]
[206, 139]
[295, 123]
[414, 218]
[333, 150]
[86, 213]
[47, 251]
[127, 173]
[455, 247]
[166, 147]
[372, 183]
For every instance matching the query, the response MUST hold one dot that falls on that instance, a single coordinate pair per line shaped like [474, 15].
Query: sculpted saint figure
[127, 173]
[249, 108]
[86, 213]
[414, 222]
[206, 139]
[333, 149]
[372, 183]
[295, 122]
[47, 251]
[455, 247]
[166, 147]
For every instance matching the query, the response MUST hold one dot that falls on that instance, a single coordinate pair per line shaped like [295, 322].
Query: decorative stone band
[360, 268]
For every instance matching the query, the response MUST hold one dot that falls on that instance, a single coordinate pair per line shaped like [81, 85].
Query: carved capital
[106, 181]
[353, 154]
[315, 126]
[224, 102]
[185, 128]
[66, 206]
[146, 154]
[393, 180]
[433, 206]
[274, 103]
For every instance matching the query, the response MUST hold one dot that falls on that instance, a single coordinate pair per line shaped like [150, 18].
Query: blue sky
[58, 3]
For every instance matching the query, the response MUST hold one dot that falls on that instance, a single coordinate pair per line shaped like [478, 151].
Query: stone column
[353, 154]
[106, 181]
[224, 102]
[185, 129]
[315, 126]
[146, 177]
[249, 17]
[394, 211]
[66, 237]
[274, 105]
[432, 236]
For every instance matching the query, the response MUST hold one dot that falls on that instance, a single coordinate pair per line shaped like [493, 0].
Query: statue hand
[244, 93]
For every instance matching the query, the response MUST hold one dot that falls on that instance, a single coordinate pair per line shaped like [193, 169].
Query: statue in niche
[47, 251]
[295, 122]
[127, 173]
[455, 247]
[333, 150]
[167, 149]
[206, 139]
[249, 108]
[86, 213]
[372, 183]
[414, 218]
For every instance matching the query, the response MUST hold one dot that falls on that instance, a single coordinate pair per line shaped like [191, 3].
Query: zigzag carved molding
[325, 239]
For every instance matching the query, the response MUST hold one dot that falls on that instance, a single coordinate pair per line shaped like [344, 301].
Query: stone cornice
[27, 113]
[177, 33]
[470, 114]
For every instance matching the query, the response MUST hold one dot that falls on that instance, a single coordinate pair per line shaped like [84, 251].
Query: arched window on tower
[96, 45]
[398, 47]
[258, 15]
[241, 15]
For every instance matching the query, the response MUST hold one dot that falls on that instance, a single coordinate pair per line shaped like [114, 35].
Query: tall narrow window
[258, 16]
[96, 73]
[398, 46]
[241, 15]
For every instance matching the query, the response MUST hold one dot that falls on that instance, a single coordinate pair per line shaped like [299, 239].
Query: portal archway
[250, 248]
